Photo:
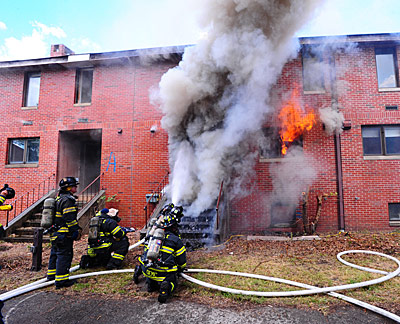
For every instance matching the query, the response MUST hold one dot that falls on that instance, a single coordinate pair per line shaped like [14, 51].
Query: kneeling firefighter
[164, 255]
[108, 243]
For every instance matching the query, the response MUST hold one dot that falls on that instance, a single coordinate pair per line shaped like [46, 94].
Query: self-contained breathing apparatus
[155, 235]
[48, 216]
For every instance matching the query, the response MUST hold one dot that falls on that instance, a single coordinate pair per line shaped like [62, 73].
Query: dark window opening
[313, 71]
[23, 150]
[270, 144]
[31, 89]
[381, 140]
[386, 67]
[393, 107]
[83, 86]
[394, 211]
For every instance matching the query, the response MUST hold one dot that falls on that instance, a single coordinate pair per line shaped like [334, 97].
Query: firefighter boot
[165, 291]
[137, 273]
[65, 283]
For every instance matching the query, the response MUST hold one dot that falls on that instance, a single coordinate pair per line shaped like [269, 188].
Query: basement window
[386, 67]
[394, 212]
[31, 89]
[313, 72]
[23, 150]
[381, 140]
[83, 86]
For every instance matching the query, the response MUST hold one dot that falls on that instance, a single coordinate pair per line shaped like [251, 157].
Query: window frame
[27, 87]
[391, 219]
[382, 139]
[389, 50]
[307, 53]
[25, 151]
[79, 84]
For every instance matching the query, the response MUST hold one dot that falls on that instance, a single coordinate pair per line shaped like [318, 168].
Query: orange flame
[294, 121]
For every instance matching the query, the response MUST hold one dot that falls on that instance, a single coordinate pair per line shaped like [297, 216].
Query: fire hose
[309, 290]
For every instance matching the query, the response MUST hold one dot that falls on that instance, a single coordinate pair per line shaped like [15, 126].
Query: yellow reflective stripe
[102, 246]
[2, 199]
[182, 265]
[69, 210]
[74, 222]
[164, 269]
[173, 286]
[118, 256]
[115, 230]
[62, 277]
[180, 251]
[167, 250]
[51, 272]
[58, 214]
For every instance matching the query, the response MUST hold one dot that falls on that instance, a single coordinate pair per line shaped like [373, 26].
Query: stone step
[24, 238]
[32, 223]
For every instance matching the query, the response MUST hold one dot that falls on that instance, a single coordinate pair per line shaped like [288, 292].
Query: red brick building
[85, 115]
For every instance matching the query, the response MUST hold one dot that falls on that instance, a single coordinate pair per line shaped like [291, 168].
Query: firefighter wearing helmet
[161, 272]
[5, 193]
[108, 243]
[65, 231]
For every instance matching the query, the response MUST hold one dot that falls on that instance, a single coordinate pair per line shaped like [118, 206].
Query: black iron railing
[155, 197]
[29, 198]
[218, 201]
[89, 192]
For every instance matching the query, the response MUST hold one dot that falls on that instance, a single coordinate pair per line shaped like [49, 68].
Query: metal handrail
[158, 193]
[218, 201]
[30, 197]
[87, 194]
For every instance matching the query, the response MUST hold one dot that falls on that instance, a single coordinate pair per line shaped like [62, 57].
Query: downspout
[338, 152]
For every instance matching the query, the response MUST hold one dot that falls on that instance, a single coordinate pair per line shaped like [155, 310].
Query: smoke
[332, 119]
[288, 182]
[217, 99]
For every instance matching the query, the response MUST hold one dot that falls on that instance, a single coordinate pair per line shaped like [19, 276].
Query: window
[32, 86]
[313, 72]
[386, 67]
[83, 86]
[270, 144]
[381, 140]
[394, 212]
[23, 150]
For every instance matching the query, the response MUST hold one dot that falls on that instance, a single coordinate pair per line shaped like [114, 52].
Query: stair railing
[30, 197]
[91, 190]
[218, 201]
[155, 197]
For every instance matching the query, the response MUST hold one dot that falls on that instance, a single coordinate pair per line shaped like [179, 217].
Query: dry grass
[310, 262]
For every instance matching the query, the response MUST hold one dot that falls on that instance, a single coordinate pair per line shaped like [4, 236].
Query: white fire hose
[309, 290]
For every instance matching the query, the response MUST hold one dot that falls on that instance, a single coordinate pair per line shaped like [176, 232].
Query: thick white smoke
[217, 99]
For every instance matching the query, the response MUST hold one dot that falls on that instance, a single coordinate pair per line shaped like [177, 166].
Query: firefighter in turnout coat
[65, 231]
[111, 246]
[162, 274]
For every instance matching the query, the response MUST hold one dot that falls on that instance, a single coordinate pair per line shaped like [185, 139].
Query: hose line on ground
[308, 288]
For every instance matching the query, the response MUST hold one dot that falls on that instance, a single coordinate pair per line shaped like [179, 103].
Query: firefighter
[65, 231]
[5, 193]
[162, 274]
[110, 246]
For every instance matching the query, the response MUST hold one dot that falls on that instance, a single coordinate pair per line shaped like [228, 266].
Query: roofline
[159, 53]
[175, 52]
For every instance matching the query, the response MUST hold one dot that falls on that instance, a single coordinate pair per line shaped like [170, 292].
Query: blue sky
[28, 28]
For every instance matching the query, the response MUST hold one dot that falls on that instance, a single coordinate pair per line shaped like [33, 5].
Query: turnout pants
[60, 260]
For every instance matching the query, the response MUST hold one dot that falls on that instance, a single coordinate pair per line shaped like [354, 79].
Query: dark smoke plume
[216, 101]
